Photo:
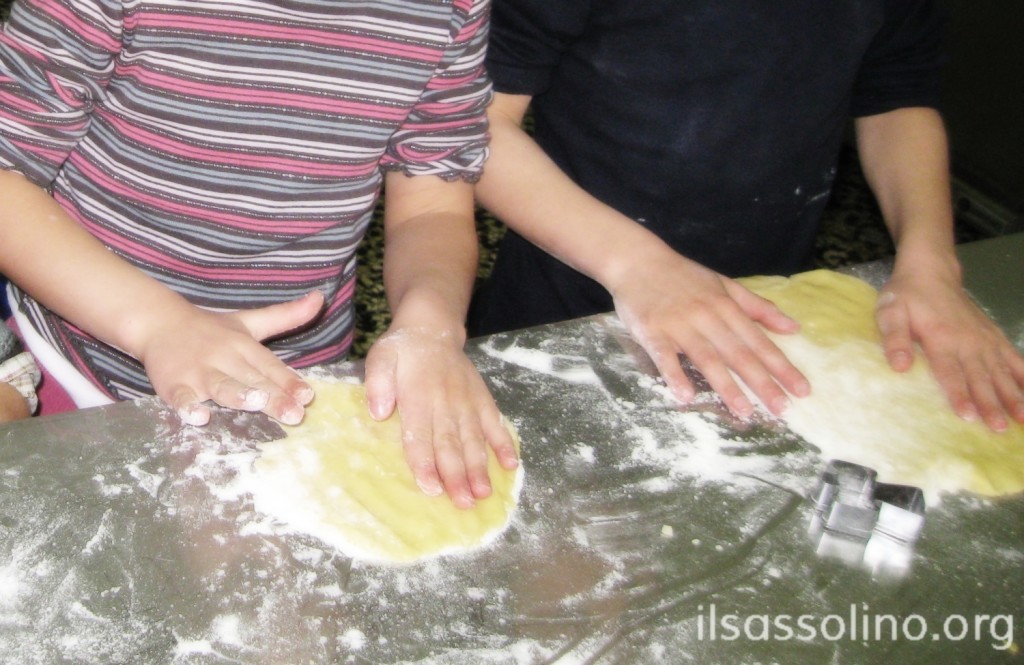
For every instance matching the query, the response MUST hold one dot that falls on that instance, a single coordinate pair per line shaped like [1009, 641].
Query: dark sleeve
[902, 67]
[528, 39]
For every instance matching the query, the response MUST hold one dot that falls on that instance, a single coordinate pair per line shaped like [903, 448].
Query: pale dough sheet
[862, 411]
[342, 477]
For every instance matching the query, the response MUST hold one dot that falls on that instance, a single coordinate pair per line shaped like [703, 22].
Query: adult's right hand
[673, 306]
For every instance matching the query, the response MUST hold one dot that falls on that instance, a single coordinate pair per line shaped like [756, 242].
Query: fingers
[189, 407]
[663, 352]
[449, 418]
[894, 325]
[761, 310]
[219, 357]
[979, 371]
[723, 340]
[987, 386]
[284, 403]
[447, 454]
[1013, 392]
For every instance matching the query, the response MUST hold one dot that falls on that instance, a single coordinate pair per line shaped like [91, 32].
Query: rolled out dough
[342, 477]
[862, 411]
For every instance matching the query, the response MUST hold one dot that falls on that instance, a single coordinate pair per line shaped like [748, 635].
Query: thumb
[190, 409]
[381, 379]
[895, 326]
[761, 309]
[276, 319]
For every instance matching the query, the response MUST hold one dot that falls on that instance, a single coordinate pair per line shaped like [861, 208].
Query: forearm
[904, 154]
[46, 253]
[430, 253]
[524, 188]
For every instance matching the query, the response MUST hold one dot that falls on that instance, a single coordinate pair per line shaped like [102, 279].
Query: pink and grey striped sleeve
[446, 132]
[55, 61]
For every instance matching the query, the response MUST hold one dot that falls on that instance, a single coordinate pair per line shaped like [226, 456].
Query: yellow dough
[862, 411]
[342, 477]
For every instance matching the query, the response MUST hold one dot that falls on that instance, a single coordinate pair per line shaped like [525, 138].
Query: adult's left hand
[980, 371]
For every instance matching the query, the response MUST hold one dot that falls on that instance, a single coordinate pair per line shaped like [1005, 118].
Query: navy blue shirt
[715, 124]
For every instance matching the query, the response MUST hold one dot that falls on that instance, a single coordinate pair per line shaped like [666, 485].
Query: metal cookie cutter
[863, 522]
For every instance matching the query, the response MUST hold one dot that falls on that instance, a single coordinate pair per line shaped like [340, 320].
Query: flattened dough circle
[862, 411]
[342, 477]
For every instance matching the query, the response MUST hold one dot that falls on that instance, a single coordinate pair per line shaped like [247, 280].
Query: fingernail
[901, 360]
[779, 405]
[254, 399]
[378, 410]
[304, 395]
[193, 414]
[685, 395]
[292, 416]
[430, 486]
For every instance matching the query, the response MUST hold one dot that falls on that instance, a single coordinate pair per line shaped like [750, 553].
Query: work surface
[646, 534]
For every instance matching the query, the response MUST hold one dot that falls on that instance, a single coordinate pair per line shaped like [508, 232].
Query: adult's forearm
[904, 154]
[526, 190]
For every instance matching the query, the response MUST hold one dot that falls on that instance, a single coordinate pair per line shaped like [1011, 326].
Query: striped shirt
[234, 149]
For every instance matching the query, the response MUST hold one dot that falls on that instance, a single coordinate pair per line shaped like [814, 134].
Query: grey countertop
[646, 533]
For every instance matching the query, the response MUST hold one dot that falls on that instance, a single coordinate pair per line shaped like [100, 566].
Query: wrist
[928, 262]
[648, 255]
[142, 329]
[425, 313]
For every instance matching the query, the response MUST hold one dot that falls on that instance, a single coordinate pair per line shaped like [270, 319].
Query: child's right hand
[219, 356]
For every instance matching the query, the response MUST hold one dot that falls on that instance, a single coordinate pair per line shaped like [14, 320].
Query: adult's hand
[449, 417]
[675, 306]
[980, 371]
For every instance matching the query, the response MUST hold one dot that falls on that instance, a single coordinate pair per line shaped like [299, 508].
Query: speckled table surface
[646, 533]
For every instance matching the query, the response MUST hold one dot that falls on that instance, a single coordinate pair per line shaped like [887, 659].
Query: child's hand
[13, 406]
[448, 415]
[218, 356]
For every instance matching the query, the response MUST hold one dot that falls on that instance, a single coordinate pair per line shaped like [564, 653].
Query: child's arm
[448, 415]
[190, 354]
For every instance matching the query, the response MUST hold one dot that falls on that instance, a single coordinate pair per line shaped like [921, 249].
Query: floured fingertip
[254, 399]
[194, 414]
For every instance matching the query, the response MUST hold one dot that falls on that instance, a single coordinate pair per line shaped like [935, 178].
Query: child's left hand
[448, 415]
[12, 405]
